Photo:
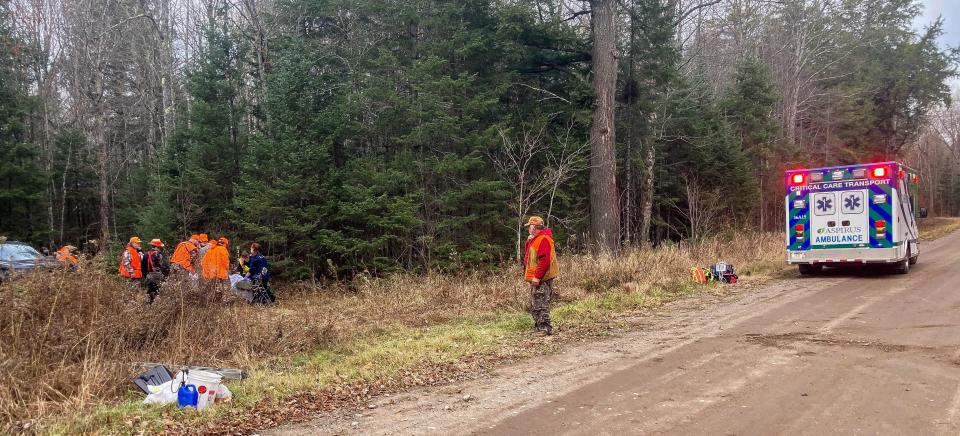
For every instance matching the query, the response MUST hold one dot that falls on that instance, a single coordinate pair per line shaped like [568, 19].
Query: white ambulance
[854, 214]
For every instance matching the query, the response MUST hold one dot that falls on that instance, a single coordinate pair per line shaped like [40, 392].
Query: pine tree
[750, 106]
[652, 72]
[710, 184]
[192, 187]
[21, 179]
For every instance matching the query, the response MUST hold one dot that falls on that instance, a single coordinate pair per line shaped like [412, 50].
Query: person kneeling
[259, 273]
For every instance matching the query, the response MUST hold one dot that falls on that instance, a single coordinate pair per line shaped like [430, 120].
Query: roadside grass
[338, 346]
[936, 227]
[376, 360]
[341, 344]
[379, 357]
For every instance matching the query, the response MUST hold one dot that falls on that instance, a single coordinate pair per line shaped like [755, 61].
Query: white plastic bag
[163, 394]
[224, 394]
[238, 281]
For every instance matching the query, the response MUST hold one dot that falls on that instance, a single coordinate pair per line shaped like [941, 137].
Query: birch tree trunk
[166, 61]
[646, 195]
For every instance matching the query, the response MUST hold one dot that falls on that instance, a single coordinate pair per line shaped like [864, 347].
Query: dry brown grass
[936, 227]
[68, 340]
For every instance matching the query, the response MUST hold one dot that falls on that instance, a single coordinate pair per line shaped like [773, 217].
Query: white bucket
[207, 383]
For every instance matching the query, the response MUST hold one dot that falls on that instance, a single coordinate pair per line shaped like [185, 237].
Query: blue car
[17, 258]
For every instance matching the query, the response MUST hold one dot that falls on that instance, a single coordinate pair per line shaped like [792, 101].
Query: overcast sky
[950, 10]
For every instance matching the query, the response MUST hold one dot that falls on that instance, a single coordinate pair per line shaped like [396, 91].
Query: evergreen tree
[354, 136]
[749, 107]
[192, 187]
[385, 150]
[709, 184]
[651, 80]
[21, 179]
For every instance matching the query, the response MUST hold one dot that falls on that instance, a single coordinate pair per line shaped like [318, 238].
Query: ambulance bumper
[833, 256]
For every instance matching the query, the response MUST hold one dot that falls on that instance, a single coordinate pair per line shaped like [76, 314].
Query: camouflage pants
[540, 304]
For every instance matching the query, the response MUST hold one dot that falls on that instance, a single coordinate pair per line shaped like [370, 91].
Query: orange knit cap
[203, 237]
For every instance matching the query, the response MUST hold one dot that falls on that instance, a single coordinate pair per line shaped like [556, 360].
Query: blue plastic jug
[187, 396]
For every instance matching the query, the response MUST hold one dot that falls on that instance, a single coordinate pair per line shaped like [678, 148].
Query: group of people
[208, 260]
[200, 259]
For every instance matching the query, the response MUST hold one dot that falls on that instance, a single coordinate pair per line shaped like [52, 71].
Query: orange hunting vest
[134, 262]
[553, 271]
[182, 255]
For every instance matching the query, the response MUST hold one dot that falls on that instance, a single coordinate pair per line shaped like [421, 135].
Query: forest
[373, 136]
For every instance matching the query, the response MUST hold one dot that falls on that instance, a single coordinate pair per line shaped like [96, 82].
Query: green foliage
[697, 147]
[21, 179]
[192, 187]
[886, 85]
[375, 154]
[750, 106]
[706, 150]
[367, 145]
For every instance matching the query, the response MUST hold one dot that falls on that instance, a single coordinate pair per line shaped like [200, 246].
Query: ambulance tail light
[881, 227]
[798, 229]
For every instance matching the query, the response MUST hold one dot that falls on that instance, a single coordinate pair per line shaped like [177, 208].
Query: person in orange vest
[540, 269]
[224, 244]
[66, 257]
[216, 263]
[185, 255]
[131, 261]
[204, 247]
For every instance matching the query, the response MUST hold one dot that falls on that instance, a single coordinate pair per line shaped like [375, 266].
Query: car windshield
[18, 252]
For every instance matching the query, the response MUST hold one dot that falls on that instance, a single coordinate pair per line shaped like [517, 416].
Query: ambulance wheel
[903, 266]
[807, 269]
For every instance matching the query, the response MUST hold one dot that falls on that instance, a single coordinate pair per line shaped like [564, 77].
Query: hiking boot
[548, 330]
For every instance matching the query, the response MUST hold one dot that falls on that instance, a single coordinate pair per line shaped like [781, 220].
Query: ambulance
[854, 214]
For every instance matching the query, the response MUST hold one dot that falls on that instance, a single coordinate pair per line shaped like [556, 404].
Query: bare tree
[703, 206]
[945, 123]
[103, 65]
[36, 24]
[536, 170]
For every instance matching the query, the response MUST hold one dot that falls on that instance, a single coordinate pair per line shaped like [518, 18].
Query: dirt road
[848, 352]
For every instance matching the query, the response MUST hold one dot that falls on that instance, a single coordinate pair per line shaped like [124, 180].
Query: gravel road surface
[854, 351]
